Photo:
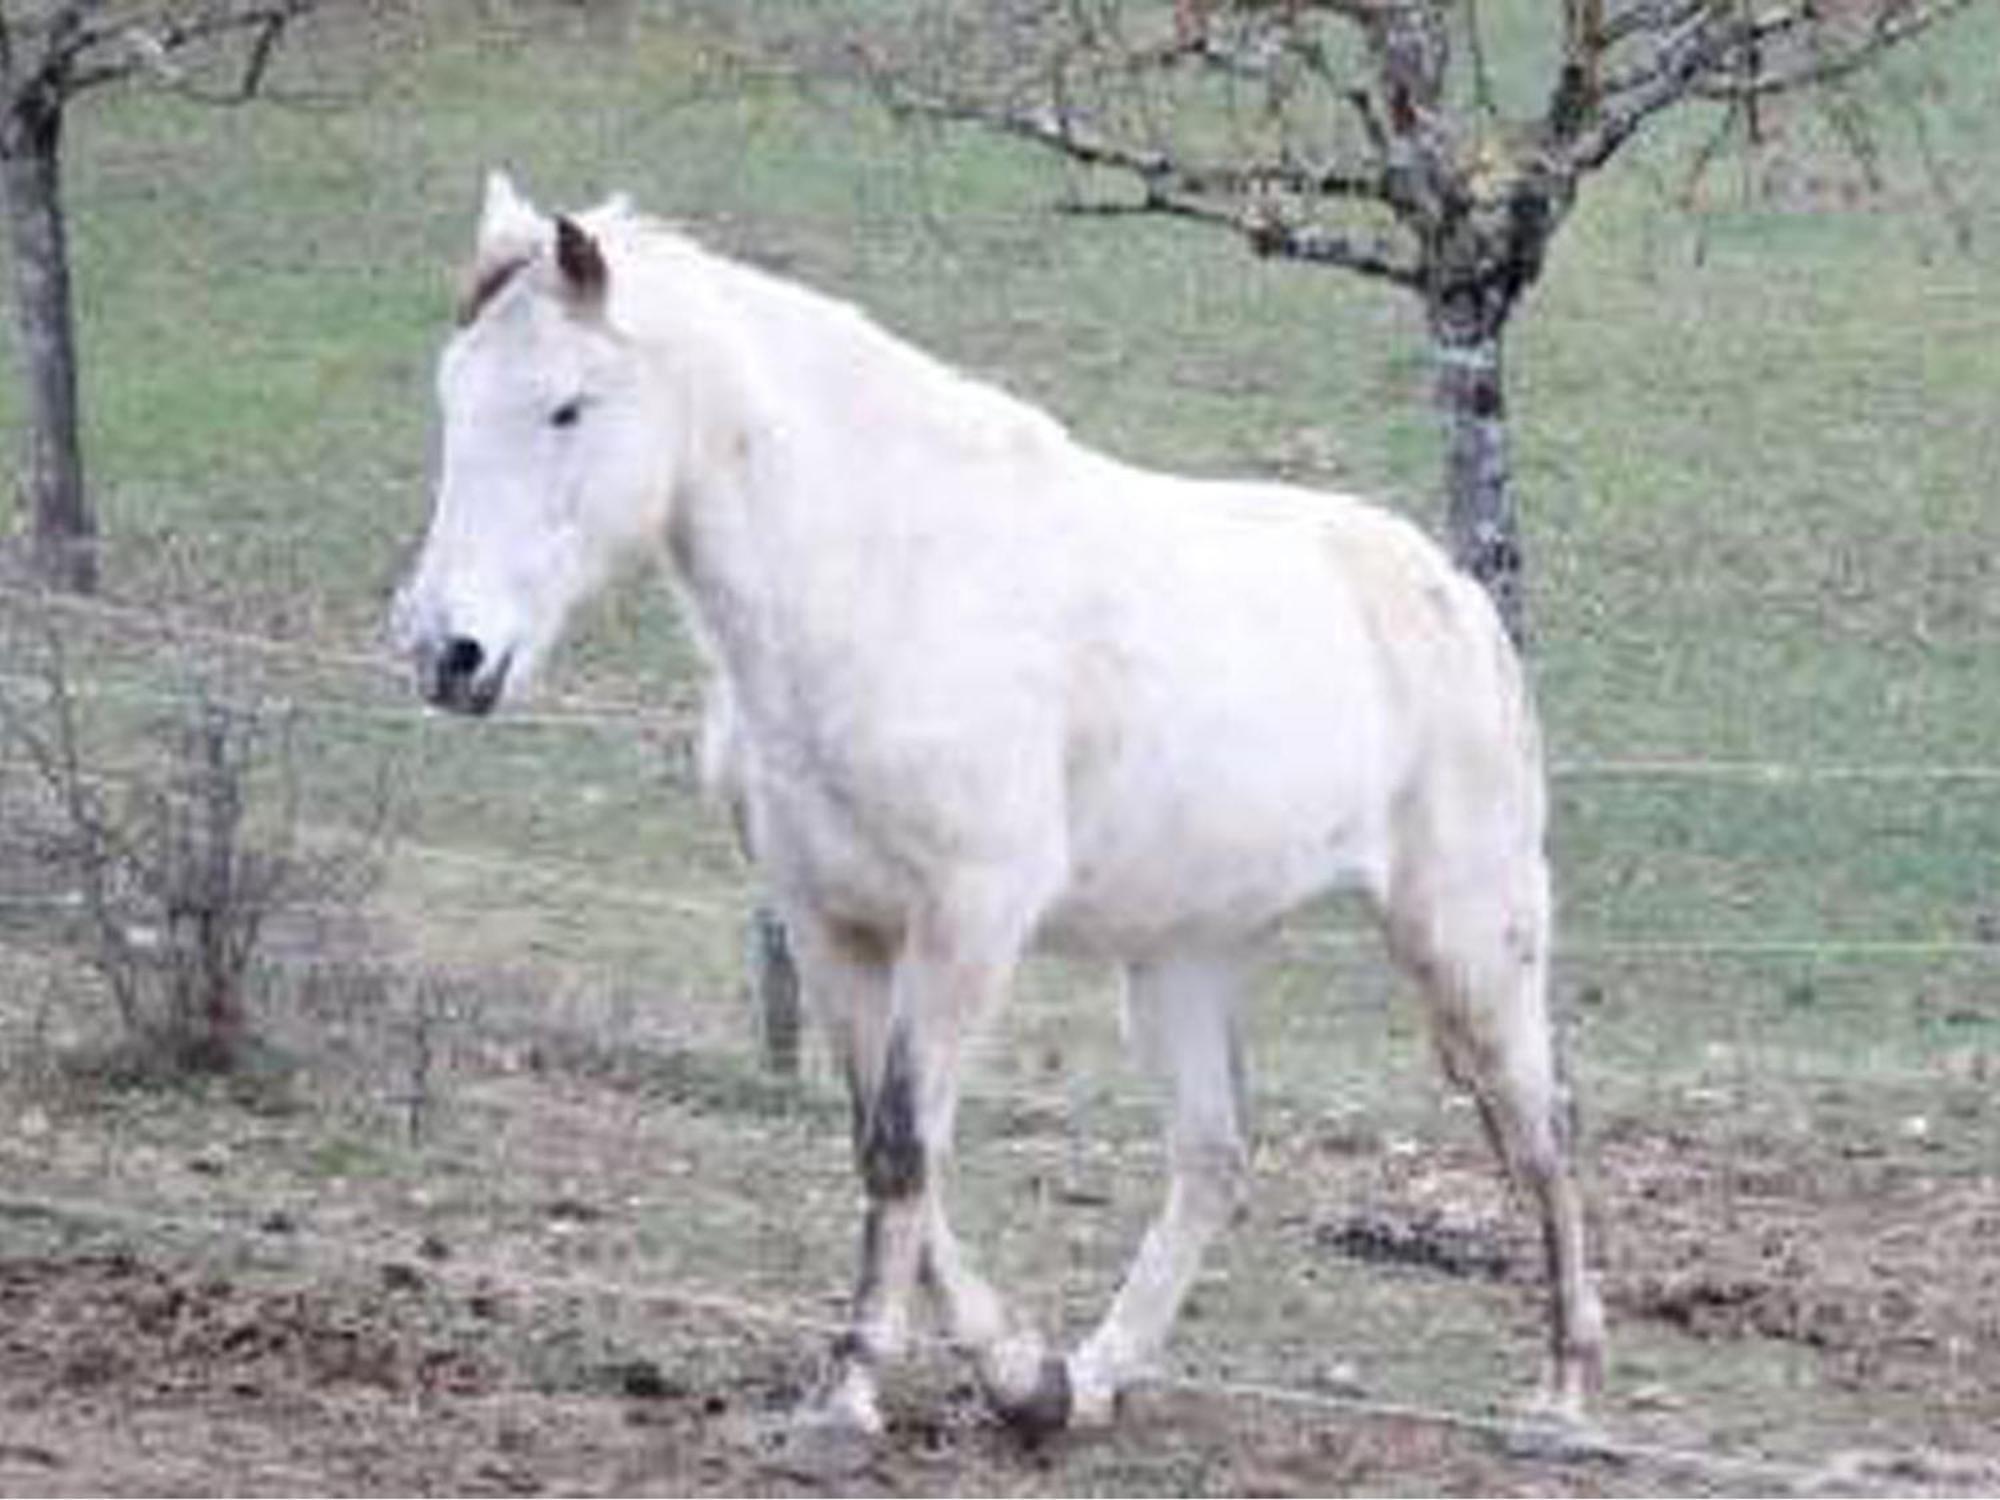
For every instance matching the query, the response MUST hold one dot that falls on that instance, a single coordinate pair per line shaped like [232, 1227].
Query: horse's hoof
[1045, 1407]
[845, 1405]
[1562, 1400]
[1093, 1404]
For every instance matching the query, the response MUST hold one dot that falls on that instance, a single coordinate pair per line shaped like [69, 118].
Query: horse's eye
[566, 414]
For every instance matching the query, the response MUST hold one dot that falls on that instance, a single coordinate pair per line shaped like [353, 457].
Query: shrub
[167, 847]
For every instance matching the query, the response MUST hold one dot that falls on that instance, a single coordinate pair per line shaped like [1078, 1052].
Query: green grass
[1755, 443]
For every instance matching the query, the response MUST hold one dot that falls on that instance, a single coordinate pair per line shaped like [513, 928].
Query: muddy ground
[199, 1297]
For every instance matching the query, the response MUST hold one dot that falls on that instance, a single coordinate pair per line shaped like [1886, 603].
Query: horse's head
[554, 463]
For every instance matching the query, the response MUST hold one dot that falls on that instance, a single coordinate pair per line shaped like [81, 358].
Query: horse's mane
[714, 290]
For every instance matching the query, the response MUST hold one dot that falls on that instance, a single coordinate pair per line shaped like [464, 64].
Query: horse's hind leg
[1474, 931]
[1183, 1014]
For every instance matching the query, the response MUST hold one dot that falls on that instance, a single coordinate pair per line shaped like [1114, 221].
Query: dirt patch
[264, 1306]
[1873, 1256]
[1868, 1272]
[123, 1375]
[116, 1324]
[1865, 1251]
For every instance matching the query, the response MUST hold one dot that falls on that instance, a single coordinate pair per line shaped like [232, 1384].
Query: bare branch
[1696, 51]
[1896, 22]
[1363, 104]
[1318, 245]
[1956, 211]
[1173, 187]
[1199, 49]
[1631, 99]
[116, 49]
[1269, 236]
[256, 62]
[56, 756]
[1056, 129]
[1692, 39]
[1649, 17]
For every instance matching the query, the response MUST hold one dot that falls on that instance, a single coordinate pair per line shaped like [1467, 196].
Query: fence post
[774, 990]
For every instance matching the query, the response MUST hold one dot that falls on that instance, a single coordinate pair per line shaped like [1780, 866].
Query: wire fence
[568, 712]
[580, 712]
[1525, 1437]
[557, 711]
[586, 883]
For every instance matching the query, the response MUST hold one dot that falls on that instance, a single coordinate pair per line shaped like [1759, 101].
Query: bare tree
[53, 52]
[1435, 145]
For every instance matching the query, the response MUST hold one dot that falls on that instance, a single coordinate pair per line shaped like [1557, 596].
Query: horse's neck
[818, 439]
[763, 516]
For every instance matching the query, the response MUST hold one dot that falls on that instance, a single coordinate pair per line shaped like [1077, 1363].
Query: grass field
[1756, 449]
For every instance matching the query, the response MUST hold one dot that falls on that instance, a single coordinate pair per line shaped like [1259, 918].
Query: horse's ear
[509, 225]
[511, 234]
[581, 261]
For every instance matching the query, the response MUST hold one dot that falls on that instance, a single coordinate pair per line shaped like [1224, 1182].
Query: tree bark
[63, 529]
[1481, 519]
[1484, 251]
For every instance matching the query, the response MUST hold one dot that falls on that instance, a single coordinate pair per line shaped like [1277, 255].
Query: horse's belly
[1235, 755]
[1220, 857]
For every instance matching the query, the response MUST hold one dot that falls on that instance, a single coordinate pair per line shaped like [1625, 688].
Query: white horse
[976, 687]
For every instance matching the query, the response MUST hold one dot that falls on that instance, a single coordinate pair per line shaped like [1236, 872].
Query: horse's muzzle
[457, 676]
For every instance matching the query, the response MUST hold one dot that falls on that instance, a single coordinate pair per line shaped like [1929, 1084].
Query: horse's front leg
[896, 1164]
[1027, 1385]
[904, 1047]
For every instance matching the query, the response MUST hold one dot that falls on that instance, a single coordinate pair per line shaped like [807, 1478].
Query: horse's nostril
[461, 657]
[456, 673]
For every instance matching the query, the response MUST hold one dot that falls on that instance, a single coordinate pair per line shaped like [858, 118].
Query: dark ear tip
[579, 259]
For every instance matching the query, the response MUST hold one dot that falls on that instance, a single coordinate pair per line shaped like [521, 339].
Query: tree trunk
[63, 530]
[1471, 397]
